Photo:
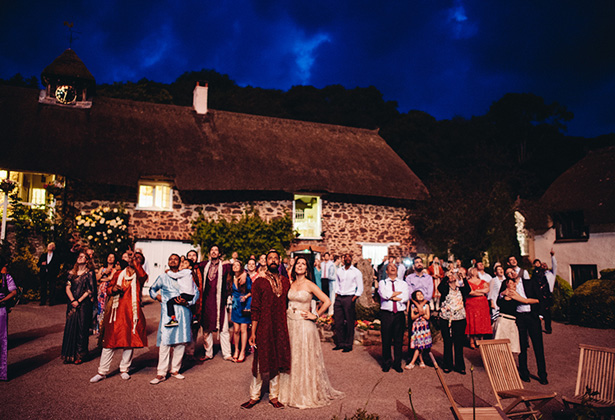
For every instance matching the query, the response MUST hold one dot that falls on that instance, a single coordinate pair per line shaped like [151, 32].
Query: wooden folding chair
[467, 413]
[596, 372]
[506, 383]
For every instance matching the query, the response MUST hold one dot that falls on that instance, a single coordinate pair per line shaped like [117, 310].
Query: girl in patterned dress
[421, 335]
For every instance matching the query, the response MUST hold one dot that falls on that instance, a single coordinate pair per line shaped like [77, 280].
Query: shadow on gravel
[407, 411]
[22, 367]
[18, 339]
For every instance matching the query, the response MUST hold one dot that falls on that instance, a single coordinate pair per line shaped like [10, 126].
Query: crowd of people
[465, 304]
[269, 307]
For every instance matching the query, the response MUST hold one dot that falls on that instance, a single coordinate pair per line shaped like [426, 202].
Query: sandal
[422, 365]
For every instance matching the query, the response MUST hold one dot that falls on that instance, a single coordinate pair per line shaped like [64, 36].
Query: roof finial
[70, 25]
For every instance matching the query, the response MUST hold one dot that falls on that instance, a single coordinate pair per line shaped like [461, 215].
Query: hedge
[562, 292]
[593, 304]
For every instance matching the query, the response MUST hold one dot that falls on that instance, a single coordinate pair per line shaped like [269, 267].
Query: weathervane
[70, 25]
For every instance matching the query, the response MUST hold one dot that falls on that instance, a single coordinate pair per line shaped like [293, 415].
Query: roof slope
[117, 142]
[67, 64]
[589, 185]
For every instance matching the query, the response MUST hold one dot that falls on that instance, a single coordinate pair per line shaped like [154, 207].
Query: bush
[24, 269]
[607, 274]
[593, 304]
[562, 292]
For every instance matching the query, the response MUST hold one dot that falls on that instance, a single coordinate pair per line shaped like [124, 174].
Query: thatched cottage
[576, 218]
[346, 189]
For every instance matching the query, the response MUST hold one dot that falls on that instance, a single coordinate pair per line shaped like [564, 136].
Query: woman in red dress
[477, 308]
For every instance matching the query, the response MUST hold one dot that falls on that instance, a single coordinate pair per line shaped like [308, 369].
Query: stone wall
[345, 224]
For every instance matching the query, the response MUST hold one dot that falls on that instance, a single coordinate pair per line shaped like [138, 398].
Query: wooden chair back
[596, 371]
[500, 366]
[446, 390]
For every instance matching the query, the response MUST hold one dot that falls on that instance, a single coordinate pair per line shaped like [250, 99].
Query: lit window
[38, 196]
[306, 216]
[155, 196]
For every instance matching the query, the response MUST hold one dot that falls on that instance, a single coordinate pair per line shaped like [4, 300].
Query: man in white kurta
[171, 339]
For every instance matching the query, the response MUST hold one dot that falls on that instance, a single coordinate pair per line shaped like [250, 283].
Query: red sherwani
[272, 354]
[119, 333]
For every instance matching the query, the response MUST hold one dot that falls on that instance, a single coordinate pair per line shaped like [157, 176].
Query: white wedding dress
[307, 385]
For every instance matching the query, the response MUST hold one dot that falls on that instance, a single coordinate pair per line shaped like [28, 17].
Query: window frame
[154, 184]
[570, 226]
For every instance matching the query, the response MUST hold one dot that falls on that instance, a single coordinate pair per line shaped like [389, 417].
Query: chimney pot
[199, 98]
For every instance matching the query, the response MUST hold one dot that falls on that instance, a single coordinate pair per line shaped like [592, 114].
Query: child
[421, 336]
[186, 289]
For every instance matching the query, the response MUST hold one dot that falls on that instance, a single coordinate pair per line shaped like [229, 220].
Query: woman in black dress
[79, 289]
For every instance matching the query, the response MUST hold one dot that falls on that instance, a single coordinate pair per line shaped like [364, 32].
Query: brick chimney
[199, 98]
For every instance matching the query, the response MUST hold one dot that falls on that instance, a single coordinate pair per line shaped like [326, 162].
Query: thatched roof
[67, 65]
[589, 186]
[118, 142]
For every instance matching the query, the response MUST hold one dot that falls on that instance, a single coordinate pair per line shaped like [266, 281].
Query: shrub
[607, 274]
[250, 235]
[24, 269]
[105, 229]
[562, 292]
[593, 304]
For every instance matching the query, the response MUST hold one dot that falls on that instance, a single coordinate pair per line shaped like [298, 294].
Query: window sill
[567, 240]
[152, 209]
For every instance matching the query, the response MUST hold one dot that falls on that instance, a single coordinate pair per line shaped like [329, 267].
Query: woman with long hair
[104, 274]
[79, 289]
[307, 385]
[240, 315]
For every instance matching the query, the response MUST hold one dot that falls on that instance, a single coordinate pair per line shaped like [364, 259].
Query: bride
[307, 385]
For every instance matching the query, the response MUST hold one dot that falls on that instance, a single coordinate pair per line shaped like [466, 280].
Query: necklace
[276, 285]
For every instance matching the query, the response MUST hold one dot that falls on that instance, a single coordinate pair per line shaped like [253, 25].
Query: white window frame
[154, 184]
[319, 216]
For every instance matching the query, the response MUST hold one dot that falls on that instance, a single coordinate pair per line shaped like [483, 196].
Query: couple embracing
[286, 340]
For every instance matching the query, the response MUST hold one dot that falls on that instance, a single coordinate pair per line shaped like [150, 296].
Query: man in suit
[49, 268]
[528, 323]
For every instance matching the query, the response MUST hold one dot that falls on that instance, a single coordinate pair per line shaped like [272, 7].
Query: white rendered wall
[598, 250]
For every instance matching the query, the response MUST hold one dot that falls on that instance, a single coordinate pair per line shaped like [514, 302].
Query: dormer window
[157, 196]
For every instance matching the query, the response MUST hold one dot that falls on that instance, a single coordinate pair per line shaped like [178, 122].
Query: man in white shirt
[327, 273]
[394, 295]
[401, 268]
[348, 288]
[481, 272]
[550, 275]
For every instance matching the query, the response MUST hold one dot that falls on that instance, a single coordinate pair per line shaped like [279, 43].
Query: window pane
[146, 196]
[38, 196]
[162, 196]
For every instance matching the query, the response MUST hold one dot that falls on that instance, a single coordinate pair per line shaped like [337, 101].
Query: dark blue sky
[446, 58]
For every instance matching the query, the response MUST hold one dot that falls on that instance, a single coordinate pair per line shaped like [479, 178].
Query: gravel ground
[41, 386]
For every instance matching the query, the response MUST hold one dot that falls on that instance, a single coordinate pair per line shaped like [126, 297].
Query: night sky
[446, 58]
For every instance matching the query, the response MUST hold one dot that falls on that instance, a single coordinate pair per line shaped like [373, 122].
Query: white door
[157, 255]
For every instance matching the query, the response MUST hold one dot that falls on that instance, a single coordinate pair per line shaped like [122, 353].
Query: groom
[269, 331]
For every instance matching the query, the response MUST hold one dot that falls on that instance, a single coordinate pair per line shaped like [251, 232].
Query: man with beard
[419, 279]
[164, 289]
[348, 288]
[269, 331]
[124, 322]
[216, 290]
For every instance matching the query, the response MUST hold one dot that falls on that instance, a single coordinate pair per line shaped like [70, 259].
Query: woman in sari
[79, 289]
[103, 276]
